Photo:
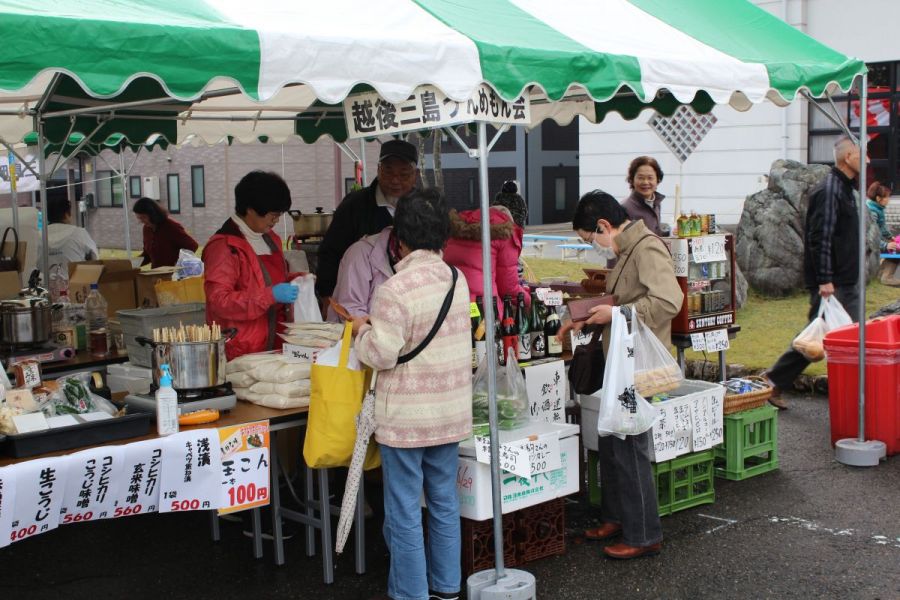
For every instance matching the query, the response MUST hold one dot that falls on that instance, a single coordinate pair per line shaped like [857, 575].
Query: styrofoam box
[127, 377]
[473, 483]
[590, 408]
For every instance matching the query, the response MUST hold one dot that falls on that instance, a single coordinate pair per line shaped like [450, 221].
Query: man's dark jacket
[831, 252]
[358, 215]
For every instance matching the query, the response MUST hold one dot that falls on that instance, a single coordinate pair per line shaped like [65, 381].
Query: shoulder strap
[627, 258]
[445, 308]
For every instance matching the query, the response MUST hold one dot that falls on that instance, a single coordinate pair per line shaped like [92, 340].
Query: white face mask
[604, 252]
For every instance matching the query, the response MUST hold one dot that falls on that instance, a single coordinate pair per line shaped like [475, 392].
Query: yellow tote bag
[336, 395]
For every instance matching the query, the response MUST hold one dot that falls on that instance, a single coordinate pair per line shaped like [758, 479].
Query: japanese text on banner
[40, 485]
[192, 472]
[546, 388]
[245, 465]
[141, 470]
[92, 484]
[369, 115]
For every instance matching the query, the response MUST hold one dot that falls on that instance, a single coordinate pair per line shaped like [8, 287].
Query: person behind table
[366, 211]
[163, 236]
[245, 270]
[830, 255]
[644, 175]
[643, 278]
[366, 265]
[423, 408]
[66, 242]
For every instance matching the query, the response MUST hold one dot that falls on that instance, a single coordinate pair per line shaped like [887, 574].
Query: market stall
[249, 77]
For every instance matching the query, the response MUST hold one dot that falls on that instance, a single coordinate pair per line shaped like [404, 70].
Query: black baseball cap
[399, 149]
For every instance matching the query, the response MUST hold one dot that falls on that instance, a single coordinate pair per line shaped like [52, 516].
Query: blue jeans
[413, 566]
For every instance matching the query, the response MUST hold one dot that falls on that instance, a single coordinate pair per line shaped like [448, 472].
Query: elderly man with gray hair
[831, 254]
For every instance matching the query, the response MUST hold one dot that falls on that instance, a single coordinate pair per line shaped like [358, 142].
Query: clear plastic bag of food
[655, 370]
[512, 397]
[188, 265]
[74, 397]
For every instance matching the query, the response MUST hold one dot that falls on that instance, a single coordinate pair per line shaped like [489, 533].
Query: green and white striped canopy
[577, 56]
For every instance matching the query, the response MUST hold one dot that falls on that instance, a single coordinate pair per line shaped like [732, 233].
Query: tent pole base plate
[856, 453]
[515, 585]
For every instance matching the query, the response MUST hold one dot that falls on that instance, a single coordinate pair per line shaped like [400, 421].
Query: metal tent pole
[859, 452]
[42, 171]
[13, 184]
[508, 584]
[123, 175]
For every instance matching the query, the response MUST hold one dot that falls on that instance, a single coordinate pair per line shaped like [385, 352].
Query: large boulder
[769, 236]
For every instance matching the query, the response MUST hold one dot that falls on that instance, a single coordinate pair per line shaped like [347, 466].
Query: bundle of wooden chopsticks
[187, 333]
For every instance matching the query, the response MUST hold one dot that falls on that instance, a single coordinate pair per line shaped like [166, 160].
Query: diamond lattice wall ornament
[683, 131]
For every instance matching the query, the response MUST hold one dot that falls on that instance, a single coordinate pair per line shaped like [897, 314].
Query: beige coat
[646, 280]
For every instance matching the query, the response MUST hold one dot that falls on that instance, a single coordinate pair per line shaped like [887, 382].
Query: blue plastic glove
[285, 293]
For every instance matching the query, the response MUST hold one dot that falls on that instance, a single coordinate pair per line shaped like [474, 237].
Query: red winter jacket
[236, 293]
[463, 251]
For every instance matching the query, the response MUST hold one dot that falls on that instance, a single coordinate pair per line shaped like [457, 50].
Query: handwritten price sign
[708, 248]
[245, 465]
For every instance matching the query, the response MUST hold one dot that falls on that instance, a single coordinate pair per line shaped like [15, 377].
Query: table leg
[310, 513]
[723, 366]
[360, 525]
[214, 525]
[325, 515]
[257, 534]
[275, 500]
[681, 361]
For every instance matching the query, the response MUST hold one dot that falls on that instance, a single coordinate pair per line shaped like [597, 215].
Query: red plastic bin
[882, 381]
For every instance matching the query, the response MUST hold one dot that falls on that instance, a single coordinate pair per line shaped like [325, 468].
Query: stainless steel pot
[193, 365]
[311, 224]
[23, 326]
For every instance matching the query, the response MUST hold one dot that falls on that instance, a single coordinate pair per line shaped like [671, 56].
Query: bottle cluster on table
[522, 333]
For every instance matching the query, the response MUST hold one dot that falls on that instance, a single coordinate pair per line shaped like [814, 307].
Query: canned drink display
[712, 223]
[704, 223]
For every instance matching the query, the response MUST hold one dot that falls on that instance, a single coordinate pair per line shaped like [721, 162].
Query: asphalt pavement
[812, 529]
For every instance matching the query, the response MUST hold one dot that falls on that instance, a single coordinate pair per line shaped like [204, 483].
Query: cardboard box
[473, 484]
[10, 284]
[145, 285]
[116, 279]
[184, 291]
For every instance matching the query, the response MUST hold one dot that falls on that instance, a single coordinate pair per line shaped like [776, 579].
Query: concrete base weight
[852, 452]
[515, 585]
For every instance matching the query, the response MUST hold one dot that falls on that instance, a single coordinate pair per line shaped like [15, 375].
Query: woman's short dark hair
[875, 191]
[57, 209]
[263, 191]
[422, 220]
[151, 208]
[598, 205]
[639, 162]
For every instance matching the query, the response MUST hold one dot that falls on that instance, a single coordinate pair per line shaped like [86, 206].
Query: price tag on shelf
[245, 465]
[553, 298]
[716, 341]
[698, 342]
[679, 250]
[708, 248]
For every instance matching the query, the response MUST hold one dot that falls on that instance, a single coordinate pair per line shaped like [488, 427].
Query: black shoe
[443, 595]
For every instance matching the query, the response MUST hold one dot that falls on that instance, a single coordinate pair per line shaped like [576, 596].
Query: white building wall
[730, 162]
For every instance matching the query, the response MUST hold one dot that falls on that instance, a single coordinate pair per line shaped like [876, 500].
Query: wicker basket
[748, 400]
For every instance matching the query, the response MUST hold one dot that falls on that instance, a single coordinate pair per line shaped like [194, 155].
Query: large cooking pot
[193, 365]
[24, 324]
[311, 224]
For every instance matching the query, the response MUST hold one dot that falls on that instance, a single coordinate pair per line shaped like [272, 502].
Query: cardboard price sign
[708, 248]
[546, 388]
[525, 458]
[245, 466]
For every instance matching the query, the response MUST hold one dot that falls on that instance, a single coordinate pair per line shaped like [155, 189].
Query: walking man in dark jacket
[831, 254]
[366, 211]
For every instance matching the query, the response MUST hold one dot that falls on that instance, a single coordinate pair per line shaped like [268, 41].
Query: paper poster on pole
[245, 466]
[92, 484]
[546, 388]
[25, 181]
[7, 502]
[191, 472]
[40, 486]
[141, 473]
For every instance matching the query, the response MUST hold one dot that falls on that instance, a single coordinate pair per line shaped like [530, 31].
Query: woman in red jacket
[163, 236]
[463, 251]
[246, 273]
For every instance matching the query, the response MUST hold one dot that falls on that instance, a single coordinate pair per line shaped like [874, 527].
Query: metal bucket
[25, 326]
[193, 365]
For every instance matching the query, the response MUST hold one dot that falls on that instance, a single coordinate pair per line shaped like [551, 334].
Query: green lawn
[767, 325]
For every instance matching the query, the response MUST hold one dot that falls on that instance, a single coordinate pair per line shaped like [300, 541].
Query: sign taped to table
[192, 472]
[92, 484]
[245, 466]
[7, 502]
[369, 115]
[141, 470]
[40, 486]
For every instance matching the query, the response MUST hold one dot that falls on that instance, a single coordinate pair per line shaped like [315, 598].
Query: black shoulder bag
[445, 308]
[586, 368]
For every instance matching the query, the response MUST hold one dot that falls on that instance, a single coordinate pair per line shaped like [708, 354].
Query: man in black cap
[367, 211]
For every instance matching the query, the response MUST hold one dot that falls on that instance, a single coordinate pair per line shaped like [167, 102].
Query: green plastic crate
[681, 483]
[751, 444]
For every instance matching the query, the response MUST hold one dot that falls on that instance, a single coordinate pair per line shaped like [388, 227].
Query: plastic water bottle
[166, 404]
[95, 308]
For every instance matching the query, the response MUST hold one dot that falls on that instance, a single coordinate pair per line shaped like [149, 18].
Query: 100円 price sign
[245, 465]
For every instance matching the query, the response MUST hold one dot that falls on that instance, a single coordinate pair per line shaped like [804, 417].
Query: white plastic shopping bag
[623, 411]
[306, 307]
[810, 341]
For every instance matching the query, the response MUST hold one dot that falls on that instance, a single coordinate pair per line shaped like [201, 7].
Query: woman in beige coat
[644, 278]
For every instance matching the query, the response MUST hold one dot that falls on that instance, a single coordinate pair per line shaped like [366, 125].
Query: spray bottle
[166, 404]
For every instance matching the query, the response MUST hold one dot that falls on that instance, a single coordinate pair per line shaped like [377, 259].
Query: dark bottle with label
[524, 326]
[538, 339]
[508, 330]
[498, 336]
[551, 328]
[479, 343]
